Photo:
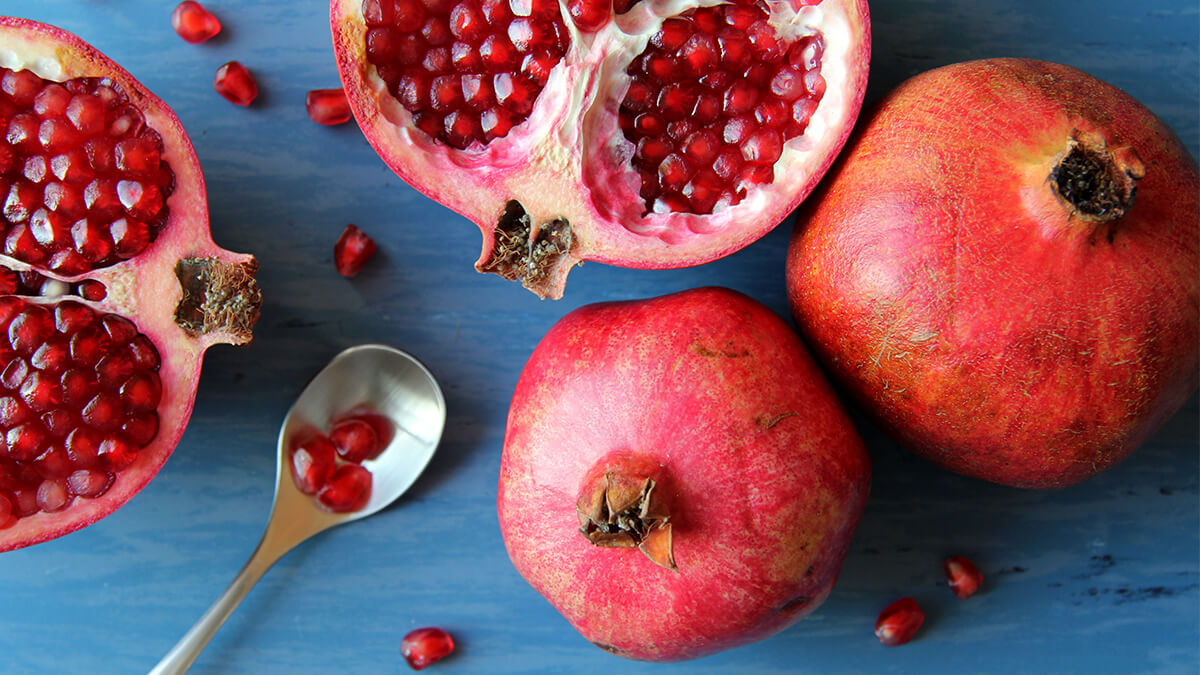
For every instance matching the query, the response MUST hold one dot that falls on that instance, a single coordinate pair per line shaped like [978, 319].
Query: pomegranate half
[645, 134]
[678, 478]
[1004, 270]
[112, 287]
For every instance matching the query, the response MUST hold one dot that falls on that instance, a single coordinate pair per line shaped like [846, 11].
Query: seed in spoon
[355, 440]
[313, 463]
[347, 490]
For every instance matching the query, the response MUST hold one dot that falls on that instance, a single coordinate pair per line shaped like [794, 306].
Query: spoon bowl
[374, 379]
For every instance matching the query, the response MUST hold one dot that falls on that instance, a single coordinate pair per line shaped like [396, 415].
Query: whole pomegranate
[1004, 271]
[110, 285]
[678, 478]
[639, 133]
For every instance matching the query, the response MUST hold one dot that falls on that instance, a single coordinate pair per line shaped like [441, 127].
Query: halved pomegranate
[651, 134]
[114, 287]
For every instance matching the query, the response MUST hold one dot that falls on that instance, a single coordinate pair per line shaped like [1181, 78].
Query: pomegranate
[899, 622]
[114, 286]
[640, 134]
[1003, 270]
[423, 647]
[678, 478]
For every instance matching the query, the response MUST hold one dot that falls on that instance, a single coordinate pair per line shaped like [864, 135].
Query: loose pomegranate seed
[898, 622]
[77, 159]
[425, 646]
[355, 440]
[348, 489]
[327, 106]
[962, 575]
[194, 23]
[352, 250]
[313, 462]
[236, 84]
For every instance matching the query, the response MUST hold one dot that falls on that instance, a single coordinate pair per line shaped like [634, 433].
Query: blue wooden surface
[1098, 578]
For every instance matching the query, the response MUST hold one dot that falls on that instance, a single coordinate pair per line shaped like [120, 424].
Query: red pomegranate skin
[945, 286]
[714, 396]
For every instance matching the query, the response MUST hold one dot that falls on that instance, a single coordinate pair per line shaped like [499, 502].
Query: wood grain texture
[1099, 578]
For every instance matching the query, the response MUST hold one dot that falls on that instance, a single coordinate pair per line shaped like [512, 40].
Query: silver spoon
[386, 380]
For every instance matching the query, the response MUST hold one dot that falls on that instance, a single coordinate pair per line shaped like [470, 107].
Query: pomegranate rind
[763, 473]
[144, 289]
[985, 326]
[546, 165]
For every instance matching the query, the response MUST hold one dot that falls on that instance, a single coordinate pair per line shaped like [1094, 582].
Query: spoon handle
[184, 653]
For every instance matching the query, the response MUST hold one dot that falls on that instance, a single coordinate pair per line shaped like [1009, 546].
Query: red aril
[113, 288]
[425, 646]
[678, 478]
[348, 489]
[648, 135]
[1003, 271]
[963, 577]
[194, 23]
[236, 84]
[352, 250]
[313, 462]
[355, 440]
[327, 106]
[899, 622]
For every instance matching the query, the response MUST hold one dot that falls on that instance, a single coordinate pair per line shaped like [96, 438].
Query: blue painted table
[1098, 578]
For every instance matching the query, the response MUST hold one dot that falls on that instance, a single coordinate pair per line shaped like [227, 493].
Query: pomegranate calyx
[623, 511]
[219, 298]
[1095, 183]
[538, 254]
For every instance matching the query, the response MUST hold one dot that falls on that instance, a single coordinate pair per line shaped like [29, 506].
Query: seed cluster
[467, 70]
[82, 179]
[711, 102]
[79, 394]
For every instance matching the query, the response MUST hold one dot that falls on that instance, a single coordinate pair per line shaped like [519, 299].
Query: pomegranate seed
[589, 15]
[13, 412]
[962, 575]
[103, 412]
[7, 519]
[53, 463]
[236, 84]
[117, 452]
[194, 23]
[86, 113]
[898, 622]
[83, 448]
[424, 646]
[142, 428]
[348, 489]
[93, 290]
[26, 441]
[25, 502]
[52, 496]
[355, 440]
[89, 482]
[313, 462]
[327, 106]
[352, 250]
